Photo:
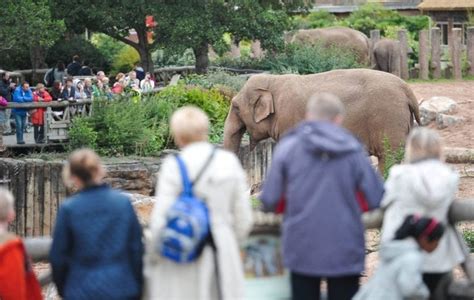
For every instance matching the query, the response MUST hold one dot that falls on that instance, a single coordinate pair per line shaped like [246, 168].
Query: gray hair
[324, 107]
[6, 204]
[423, 143]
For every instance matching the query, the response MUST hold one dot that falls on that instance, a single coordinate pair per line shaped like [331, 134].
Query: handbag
[3, 102]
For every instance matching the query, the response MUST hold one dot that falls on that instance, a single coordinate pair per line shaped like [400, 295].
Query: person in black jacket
[74, 68]
[85, 70]
[6, 90]
[69, 91]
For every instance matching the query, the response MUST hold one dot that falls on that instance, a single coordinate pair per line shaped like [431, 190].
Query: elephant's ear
[263, 106]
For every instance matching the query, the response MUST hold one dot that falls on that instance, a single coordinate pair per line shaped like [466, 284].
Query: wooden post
[374, 38]
[456, 53]
[403, 38]
[436, 52]
[470, 50]
[423, 55]
[450, 35]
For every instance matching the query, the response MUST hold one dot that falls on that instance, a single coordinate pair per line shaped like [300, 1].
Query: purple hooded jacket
[319, 168]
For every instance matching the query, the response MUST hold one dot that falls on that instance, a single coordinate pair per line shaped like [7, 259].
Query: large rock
[431, 108]
[444, 121]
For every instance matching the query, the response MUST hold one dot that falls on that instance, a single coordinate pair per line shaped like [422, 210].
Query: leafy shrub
[469, 238]
[107, 46]
[125, 127]
[65, 49]
[216, 78]
[317, 19]
[167, 57]
[392, 157]
[125, 60]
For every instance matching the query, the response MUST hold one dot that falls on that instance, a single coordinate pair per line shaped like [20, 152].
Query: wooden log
[18, 187]
[436, 52]
[459, 155]
[55, 104]
[470, 50]
[423, 55]
[39, 198]
[456, 53]
[403, 38]
[30, 195]
[47, 199]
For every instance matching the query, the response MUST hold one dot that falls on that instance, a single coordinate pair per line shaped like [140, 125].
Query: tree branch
[121, 39]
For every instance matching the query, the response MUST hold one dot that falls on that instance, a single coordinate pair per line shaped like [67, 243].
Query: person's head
[7, 211]
[426, 231]
[105, 81]
[188, 125]
[69, 82]
[86, 63]
[76, 58]
[5, 76]
[60, 65]
[423, 143]
[132, 75]
[83, 169]
[57, 84]
[25, 86]
[40, 87]
[147, 76]
[87, 82]
[119, 76]
[325, 107]
[80, 85]
[100, 75]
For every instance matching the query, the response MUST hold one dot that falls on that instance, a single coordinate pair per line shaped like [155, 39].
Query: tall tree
[199, 24]
[115, 18]
[28, 24]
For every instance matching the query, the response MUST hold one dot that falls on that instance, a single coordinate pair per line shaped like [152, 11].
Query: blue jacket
[326, 178]
[20, 96]
[97, 247]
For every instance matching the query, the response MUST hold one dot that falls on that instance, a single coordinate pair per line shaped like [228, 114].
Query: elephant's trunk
[234, 129]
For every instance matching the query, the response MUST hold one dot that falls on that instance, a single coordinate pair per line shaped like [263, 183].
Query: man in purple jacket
[324, 175]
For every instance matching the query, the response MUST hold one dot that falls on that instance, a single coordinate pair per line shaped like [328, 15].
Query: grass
[469, 238]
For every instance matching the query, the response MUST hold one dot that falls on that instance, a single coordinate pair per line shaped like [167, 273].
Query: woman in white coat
[223, 186]
[424, 185]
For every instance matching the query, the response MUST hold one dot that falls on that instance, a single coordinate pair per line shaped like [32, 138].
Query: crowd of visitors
[321, 179]
[74, 83]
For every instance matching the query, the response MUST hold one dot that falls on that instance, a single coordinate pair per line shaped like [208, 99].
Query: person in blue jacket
[327, 181]
[22, 94]
[97, 242]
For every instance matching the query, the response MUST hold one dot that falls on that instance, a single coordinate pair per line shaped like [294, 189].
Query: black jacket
[5, 90]
[74, 68]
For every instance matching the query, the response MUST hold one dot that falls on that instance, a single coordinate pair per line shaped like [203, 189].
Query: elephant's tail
[413, 105]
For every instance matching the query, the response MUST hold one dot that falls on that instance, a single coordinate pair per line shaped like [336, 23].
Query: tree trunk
[37, 58]
[202, 58]
[143, 48]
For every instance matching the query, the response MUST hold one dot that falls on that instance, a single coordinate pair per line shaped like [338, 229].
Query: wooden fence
[430, 64]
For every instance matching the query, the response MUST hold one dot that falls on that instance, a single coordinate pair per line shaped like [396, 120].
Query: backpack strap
[206, 164]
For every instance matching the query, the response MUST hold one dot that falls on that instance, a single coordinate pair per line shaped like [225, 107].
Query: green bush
[318, 19]
[125, 60]
[392, 157]
[215, 79]
[126, 127]
[65, 49]
[469, 238]
[107, 46]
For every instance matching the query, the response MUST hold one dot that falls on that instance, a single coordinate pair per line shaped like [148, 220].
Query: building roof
[431, 5]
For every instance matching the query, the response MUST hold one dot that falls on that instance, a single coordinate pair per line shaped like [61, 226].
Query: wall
[39, 190]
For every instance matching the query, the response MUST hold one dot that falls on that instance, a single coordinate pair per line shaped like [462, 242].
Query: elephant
[378, 105]
[387, 54]
[343, 37]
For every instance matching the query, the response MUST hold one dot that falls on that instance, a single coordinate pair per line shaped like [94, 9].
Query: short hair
[189, 124]
[24, 83]
[423, 143]
[86, 165]
[75, 58]
[6, 204]
[39, 86]
[86, 62]
[69, 79]
[324, 107]
[101, 73]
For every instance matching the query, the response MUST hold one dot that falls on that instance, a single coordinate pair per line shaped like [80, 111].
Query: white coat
[399, 274]
[426, 188]
[224, 187]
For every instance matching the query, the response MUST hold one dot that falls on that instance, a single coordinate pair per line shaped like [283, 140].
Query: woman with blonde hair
[424, 185]
[218, 178]
[97, 242]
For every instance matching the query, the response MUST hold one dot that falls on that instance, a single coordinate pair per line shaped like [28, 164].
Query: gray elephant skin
[340, 37]
[379, 106]
[387, 54]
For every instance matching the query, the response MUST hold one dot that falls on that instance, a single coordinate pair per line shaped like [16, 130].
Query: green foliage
[317, 19]
[215, 79]
[65, 48]
[125, 59]
[392, 157]
[469, 238]
[107, 46]
[166, 57]
[125, 127]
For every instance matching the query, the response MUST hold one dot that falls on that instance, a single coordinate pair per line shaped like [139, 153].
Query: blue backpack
[187, 228]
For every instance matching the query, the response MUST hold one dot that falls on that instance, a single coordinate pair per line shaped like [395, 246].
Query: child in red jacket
[17, 279]
[37, 117]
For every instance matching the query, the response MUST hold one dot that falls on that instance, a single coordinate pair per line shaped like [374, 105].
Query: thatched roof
[446, 5]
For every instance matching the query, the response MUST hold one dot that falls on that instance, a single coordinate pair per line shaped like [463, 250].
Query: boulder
[444, 121]
[430, 108]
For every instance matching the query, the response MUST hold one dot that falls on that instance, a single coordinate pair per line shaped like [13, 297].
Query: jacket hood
[432, 181]
[327, 137]
[393, 249]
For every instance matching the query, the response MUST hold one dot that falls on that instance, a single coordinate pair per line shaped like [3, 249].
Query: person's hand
[12, 85]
